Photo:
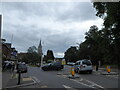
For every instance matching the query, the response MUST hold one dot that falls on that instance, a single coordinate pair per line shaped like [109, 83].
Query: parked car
[53, 66]
[83, 66]
[21, 68]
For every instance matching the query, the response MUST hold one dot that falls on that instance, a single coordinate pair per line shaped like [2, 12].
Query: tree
[32, 55]
[32, 49]
[50, 55]
[71, 55]
[110, 13]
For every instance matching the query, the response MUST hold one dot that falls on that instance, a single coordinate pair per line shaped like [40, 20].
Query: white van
[83, 65]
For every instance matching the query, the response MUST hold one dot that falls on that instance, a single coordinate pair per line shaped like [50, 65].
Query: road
[52, 79]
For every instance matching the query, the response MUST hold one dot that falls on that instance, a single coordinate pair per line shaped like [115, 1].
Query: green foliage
[104, 44]
[32, 49]
[31, 56]
[71, 55]
[50, 55]
[111, 16]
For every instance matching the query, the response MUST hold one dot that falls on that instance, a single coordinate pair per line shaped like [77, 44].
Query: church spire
[40, 48]
[40, 44]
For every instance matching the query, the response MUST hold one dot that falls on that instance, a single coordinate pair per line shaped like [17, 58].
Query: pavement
[103, 71]
[10, 80]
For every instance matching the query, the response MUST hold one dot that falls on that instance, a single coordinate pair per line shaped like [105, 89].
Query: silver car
[83, 65]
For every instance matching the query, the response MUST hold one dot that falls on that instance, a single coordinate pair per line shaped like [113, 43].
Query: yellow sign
[63, 62]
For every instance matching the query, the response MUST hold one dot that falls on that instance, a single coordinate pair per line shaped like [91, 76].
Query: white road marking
[81, 79]
[94, 83]
[82, 83]
[113, 76]
[66, 86]
[69, 88]
[38, 81]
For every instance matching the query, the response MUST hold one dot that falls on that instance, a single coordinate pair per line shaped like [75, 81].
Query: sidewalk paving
[10, 80]
[103, 71]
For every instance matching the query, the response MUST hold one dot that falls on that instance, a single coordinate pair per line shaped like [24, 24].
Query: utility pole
[0, 40]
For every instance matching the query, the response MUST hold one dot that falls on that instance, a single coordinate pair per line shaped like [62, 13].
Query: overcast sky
[59, 25]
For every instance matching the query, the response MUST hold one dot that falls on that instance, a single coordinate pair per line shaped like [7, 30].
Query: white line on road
[66, 86]
[81, 79]
[94, 84]
[38, 81]
[82, 83]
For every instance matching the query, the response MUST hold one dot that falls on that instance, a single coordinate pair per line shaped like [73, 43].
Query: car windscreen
[86, 62]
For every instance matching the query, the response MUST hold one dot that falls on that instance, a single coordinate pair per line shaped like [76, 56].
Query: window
[86, 62]
[77, 63]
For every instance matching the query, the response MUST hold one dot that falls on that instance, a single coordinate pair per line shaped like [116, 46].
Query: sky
[58, 24]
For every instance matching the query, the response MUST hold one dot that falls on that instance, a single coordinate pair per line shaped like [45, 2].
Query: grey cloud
[81, 12]
[30, 33]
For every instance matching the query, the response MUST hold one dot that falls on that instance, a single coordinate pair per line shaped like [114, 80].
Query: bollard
[19, 77]
[108, 69]
[72, 71]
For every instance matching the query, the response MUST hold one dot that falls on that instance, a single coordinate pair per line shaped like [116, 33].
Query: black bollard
[19, 77]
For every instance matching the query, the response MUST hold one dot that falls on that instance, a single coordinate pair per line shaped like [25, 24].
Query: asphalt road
[59, 79]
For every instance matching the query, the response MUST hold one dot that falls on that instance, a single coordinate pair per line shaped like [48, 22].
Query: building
[8, 53]
[6, 50]
[40, 49]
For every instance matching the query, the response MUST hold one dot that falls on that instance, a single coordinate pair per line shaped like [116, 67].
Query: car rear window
[86, 62]
[57, 63]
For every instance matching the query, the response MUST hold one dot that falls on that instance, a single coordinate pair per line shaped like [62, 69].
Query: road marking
[94, 83]
[82, 83]
[113, 76]
[44, 86]
[81, 79]
[66, 86]
[38, 81]
[27, 79]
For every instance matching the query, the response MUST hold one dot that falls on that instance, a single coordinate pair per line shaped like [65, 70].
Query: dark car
[22, 68]
[53, 66]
